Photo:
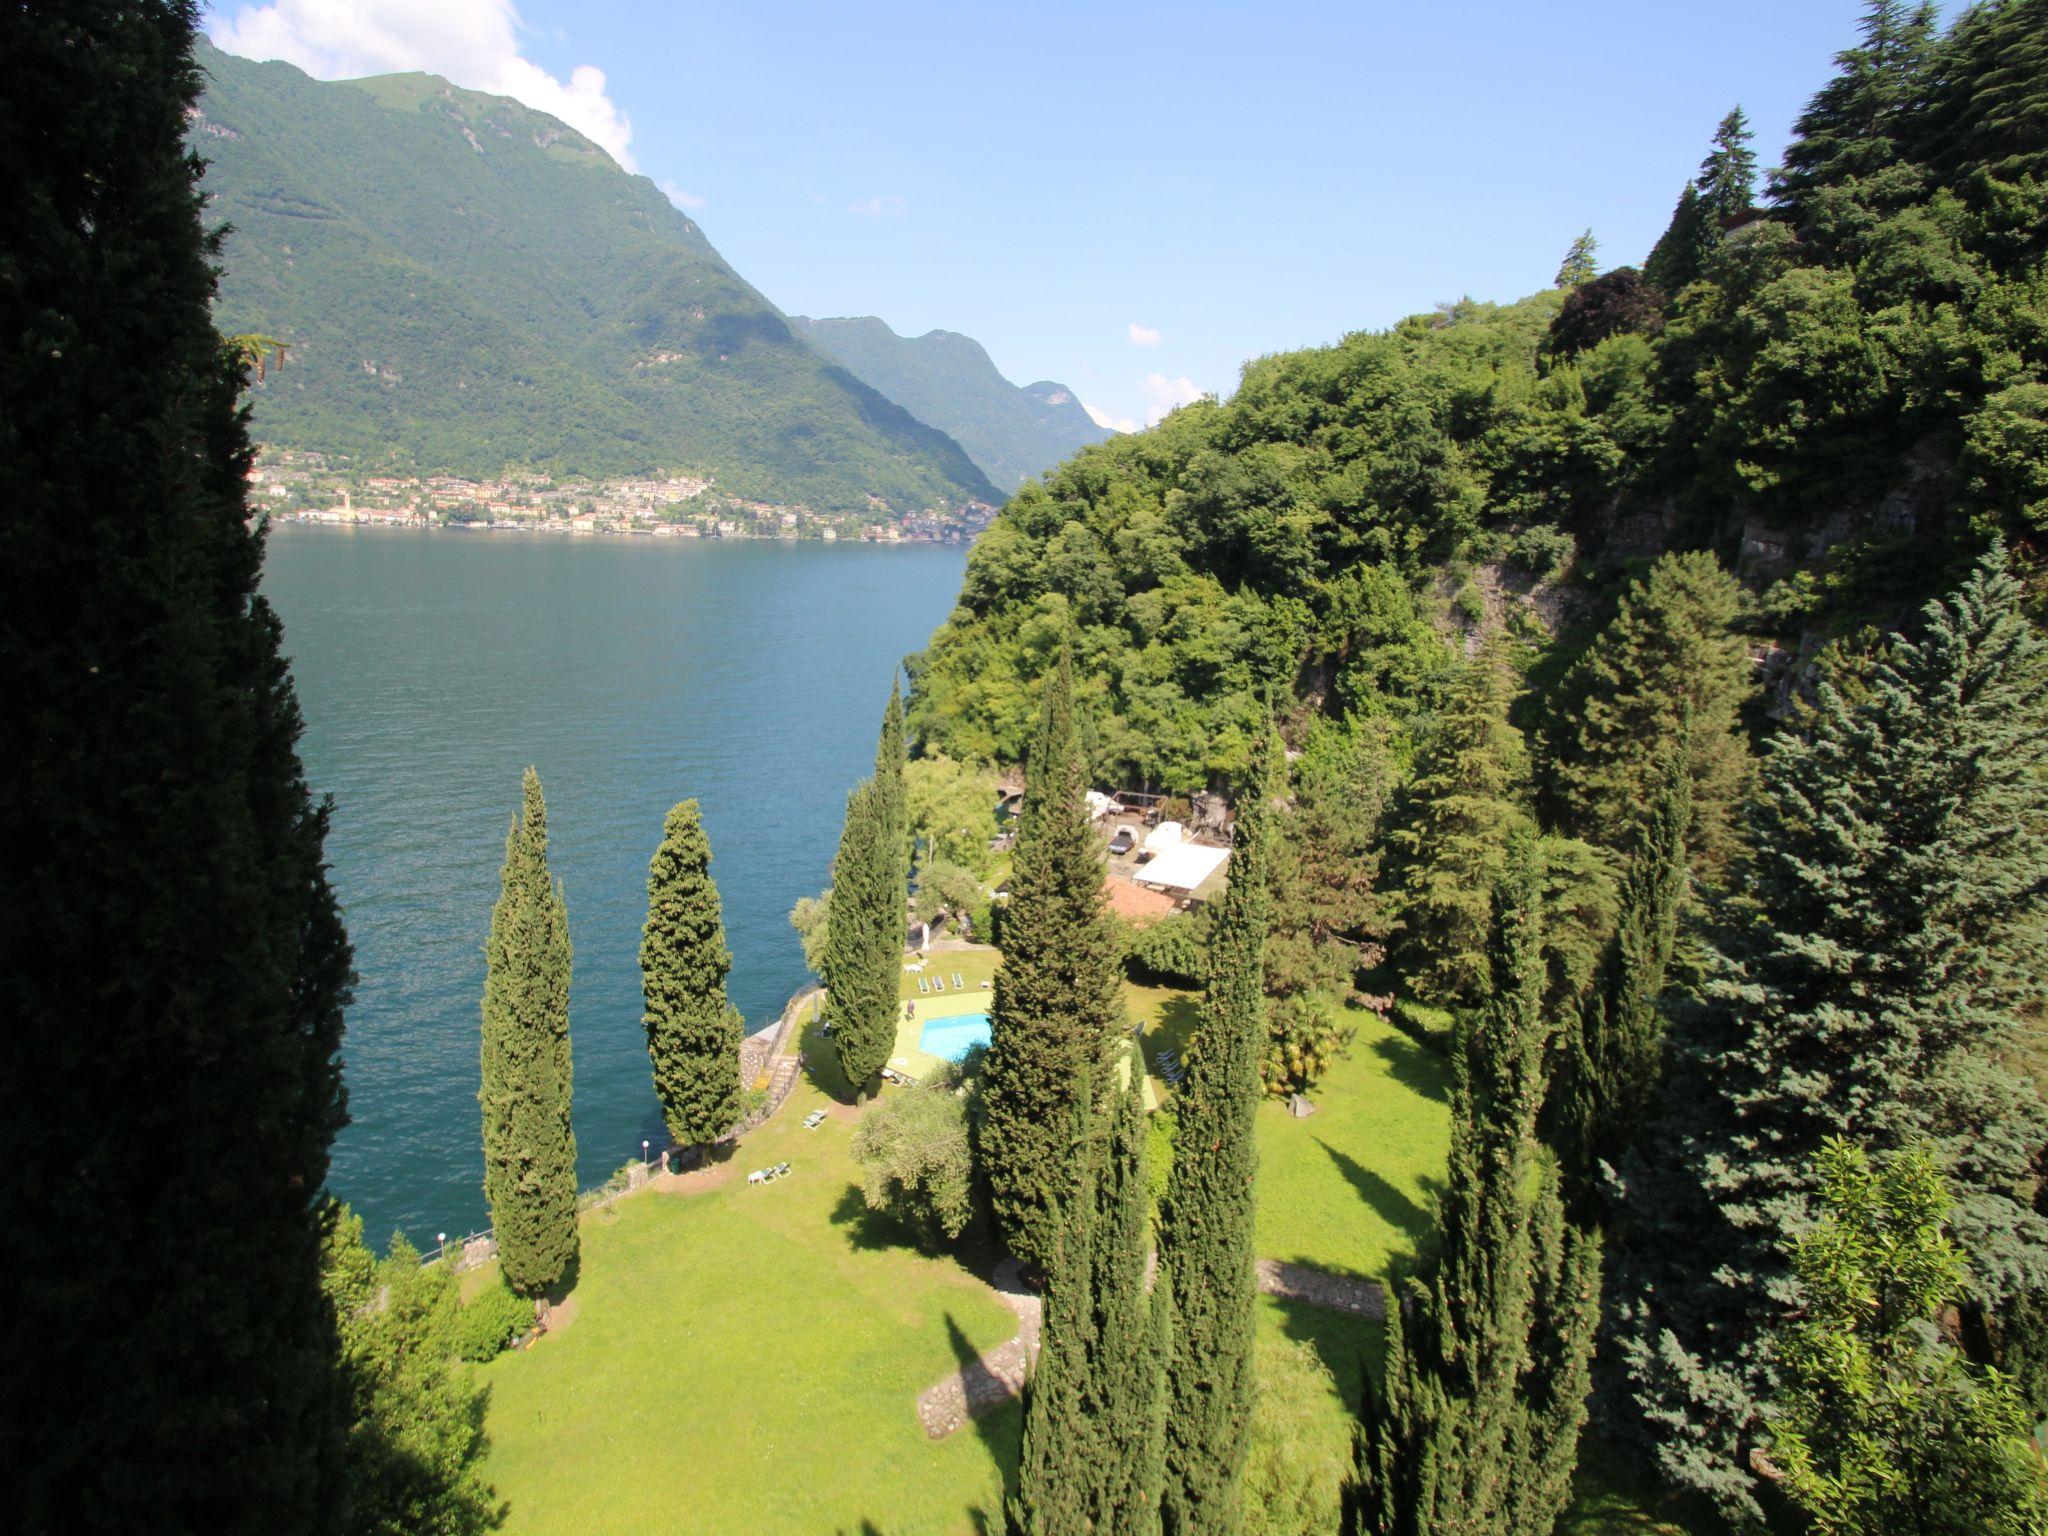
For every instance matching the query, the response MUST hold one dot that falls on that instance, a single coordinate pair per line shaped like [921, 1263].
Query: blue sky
[1130, 200]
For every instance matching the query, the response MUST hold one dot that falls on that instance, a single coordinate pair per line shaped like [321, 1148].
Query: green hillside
[947, 380]
[468, 285]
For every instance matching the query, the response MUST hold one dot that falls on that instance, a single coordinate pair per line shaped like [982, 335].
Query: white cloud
[1143, 335]
[1167, 393]
[474, 43]
[1104, 419]
[877, 207]
[684, 200]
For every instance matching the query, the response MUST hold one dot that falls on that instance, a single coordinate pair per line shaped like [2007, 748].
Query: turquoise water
[433, 667]
[953, 1038]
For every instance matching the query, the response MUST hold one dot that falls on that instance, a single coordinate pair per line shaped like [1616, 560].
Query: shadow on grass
[1616, 1494]
[1414, 1068]
[1349, 1345]
[1391, 1205]
[821, 1062]
[869, 1231]
[999, 1428]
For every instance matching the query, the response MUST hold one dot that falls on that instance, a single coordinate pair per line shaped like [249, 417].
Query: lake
[432, 667]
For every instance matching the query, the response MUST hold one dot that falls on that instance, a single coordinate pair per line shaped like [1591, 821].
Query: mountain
[468, 285]
[947, 381]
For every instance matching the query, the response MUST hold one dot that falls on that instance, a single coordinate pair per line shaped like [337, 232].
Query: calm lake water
[433, 667]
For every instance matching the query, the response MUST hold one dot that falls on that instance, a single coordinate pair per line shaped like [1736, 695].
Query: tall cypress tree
[1886, 948]
[864, 939]
[891, 788]
[1206, 1219]
[175, 964]
[1474, 1431]
[1059, 995]
[529, 1143]
[1062, 1445]
[693, 1031]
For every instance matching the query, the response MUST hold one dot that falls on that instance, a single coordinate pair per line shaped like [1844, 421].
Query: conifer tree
[1680, 253]
[864, 939]
[1728, 174]
[1854, 126]
[529, 1143]
[175, 963]
[1206, 1218]
[892, 789]
[1887, 945]
[1058, 1000]
[1461, 808]
[1579, 267]
[693, 1031]
[1062, 1445]
[1670, 662]
[1474, 1431]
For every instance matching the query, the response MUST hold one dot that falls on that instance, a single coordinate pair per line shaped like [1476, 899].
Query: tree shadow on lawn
[999, 1429]
[821, 1063]
[869, 1231]
[1348, 1344]
[1393, 1206]
[1419, 1070]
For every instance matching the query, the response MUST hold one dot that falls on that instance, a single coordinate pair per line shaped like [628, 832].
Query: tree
[1852, 128]
[1206, 1218]
[1578, 266]
[1680, 253]
[1867, 982]
[952, 812]
[693, 1031]
[864, 938]
[1058, 1000]
[916, 1159]
[811, 917]
[1668, 674]
[175, 962]
[1883, 1428]
[1728, 175]
[416, 1432]
[1461, 809]
[1475, 1429]
[529, 1142]
[1608, 305]
[891, 792]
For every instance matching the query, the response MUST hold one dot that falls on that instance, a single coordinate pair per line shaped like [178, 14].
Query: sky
[1129, 200]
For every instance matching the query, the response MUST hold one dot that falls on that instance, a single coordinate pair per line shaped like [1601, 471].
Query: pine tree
[1059, 1002]
[1474, 1431]
[175, 963]
[1461, 808]
[1579, 267]
[1680, 254]
[1671, 663]
[864, 939]
[1616, 1050]
[1728, 175]
[693, 1031]
[1206, 1218]
[1886, 947]
[1852, 129]
[529, 1143]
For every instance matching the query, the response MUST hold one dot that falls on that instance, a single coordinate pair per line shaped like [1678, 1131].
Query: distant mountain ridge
[467, 285]
[948, 381]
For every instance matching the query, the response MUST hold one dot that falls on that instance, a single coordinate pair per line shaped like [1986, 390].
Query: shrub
[1542, 551]
[1169, 952]
[489, 1321]
[916, 1160]
[1305, 1035]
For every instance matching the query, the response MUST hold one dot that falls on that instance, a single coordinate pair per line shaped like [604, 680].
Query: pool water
[953, 1038]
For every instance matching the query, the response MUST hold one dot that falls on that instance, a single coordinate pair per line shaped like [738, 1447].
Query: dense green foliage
[529, 1142]
[1058, 1005]
[1883, 950]
[863, 941]
[566, 318]
[1475, 1427]
[946, 381]
[1295, 1466]
[416, 1431]
[916, 1156]
[1882, 1426]
[693, 1031]
[1206, 1218]
[490, 1321]
[892, 792]
[174, 962]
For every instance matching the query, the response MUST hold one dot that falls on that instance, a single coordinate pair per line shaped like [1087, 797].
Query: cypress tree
[693, 1032]
[864, 939]
[1886, 948]
[529, 1143]
[893, 791]
[1062, 1446]
[1206, 1219]
[175, 963]
[1059, 995]
[1474, 1430]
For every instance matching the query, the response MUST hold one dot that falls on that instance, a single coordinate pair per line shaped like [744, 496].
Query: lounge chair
[758, 1176]
[921, 987]
[958, 984]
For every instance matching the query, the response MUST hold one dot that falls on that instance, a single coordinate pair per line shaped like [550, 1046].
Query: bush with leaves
[488, 1323]
[915, 1150]
[1171, 951]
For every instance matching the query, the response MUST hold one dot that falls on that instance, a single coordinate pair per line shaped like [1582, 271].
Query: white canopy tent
[1183, 866]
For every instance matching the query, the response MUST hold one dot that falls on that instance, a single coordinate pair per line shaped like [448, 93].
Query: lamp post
[643, 1152]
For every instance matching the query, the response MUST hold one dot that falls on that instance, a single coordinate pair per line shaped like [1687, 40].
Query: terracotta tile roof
[1136, 905]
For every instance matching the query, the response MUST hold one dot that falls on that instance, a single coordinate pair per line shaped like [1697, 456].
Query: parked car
[1125, 840]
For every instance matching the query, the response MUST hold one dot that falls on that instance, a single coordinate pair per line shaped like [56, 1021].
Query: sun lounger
[814, 1119]
[921, 985]
[958, 984]
[758, 1176]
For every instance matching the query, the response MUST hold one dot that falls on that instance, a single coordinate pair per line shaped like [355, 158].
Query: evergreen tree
[1206, 1218]
[1579, 266]
[693, 1031]
[529, 1143]
[416, 1436]
[175, 963]
[1059, 1001]
[1886, 947]
[1128, 1401]
[1670, 667]
[1617, 1047]
[891, 788]
[1680, 254]
[864, 938]
[1461, 808]
[1474, 1431]
[1852, 129]
[1728, 175]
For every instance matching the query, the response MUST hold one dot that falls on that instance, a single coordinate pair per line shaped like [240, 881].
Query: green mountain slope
[947, 380]
[467, 285]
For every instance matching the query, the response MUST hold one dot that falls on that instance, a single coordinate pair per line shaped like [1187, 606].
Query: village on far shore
[301, 487]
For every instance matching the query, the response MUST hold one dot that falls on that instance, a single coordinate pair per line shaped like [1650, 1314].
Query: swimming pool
[953, 1038]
